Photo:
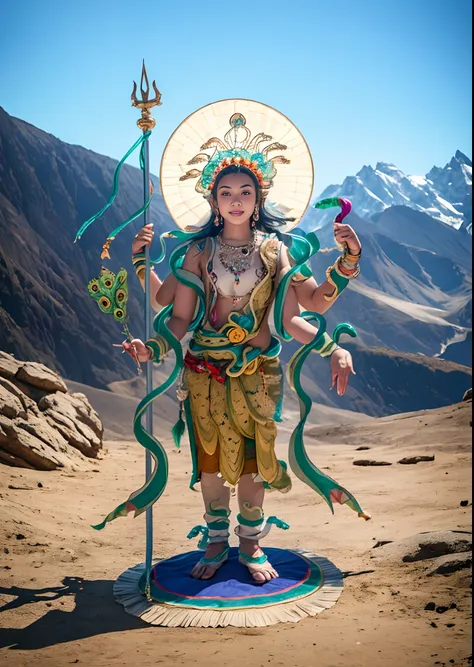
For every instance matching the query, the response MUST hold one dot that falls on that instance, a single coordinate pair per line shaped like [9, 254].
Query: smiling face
[236, 198]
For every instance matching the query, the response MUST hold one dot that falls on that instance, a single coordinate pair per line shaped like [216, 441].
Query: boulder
[424, 546]
[58, 402]
[370, 462]
[10, 405]
[450, 563]
[67, 428]
[40, 376]
[41, 429]
[87, 414]
[21, 444]
[26, 401]
[76, 419]
[9, 366]
[413, 460]
[42, 426]
[14, 461]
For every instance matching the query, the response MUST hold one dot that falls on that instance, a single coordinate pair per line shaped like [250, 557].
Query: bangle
[350, 256]
[139, 262]
[338, 268]
[347, 270]
[158, 346]
[339, 279]
[351, 259]
[327, 346]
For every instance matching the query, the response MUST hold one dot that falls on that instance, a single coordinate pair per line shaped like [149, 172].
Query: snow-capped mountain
[454, 183]
[444, 193]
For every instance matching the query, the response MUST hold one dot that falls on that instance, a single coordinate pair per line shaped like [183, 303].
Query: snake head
[329, 202]
[343, 328]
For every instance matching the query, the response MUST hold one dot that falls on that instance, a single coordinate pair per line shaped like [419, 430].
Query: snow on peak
[460, 157]
[444, 193]
[419, 181]
[386, 166]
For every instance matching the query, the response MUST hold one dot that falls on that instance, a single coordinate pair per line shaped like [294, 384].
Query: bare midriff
[222, 309]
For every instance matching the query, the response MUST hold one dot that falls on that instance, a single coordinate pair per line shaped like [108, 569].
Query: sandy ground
[57, 573]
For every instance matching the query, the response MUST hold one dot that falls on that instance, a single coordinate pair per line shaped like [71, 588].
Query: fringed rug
[307, 585]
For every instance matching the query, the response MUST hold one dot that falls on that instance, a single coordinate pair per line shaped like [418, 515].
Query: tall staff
[146, 123]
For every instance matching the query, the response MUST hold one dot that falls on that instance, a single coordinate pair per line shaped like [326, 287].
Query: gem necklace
[236, 259]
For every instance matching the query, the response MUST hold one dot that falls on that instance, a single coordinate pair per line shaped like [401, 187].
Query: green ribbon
[139, 142]
[299, 460]
[302, 249]
[200, 530]
[152, 490]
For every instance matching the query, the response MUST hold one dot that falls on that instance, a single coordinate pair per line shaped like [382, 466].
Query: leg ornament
[215, 530]
[257, 527]
[253, 526]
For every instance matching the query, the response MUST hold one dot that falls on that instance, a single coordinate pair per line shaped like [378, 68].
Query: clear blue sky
[364, 80]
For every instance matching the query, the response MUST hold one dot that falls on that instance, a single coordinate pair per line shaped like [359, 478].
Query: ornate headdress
[291, 187]
[239, 149]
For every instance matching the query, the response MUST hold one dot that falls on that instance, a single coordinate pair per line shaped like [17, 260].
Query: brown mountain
[412, 296]
[47, 190]
[386, 381]
[414, 293]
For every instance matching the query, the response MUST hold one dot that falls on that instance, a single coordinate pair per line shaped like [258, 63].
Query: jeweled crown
[237, 148]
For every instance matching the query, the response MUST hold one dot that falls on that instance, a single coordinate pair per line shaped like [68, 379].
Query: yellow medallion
[236, 335]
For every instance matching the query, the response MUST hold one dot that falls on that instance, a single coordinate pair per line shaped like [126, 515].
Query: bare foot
[260, 572]
[203, 571]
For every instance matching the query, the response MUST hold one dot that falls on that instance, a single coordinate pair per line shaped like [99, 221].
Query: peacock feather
[111, 293]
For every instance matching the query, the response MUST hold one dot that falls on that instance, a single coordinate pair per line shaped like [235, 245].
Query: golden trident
[146, 122]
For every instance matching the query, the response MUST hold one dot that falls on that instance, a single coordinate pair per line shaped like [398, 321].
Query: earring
[219, 221]
[255, 217]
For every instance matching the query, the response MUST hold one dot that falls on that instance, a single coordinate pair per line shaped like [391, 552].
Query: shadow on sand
[96, 613]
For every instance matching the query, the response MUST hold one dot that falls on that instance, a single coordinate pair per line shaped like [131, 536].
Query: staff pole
[146, 123]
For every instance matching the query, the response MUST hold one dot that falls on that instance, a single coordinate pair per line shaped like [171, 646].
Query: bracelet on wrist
[351, 259]
[158, 346]
[349, 275]
[139, 264]
[326, 346]
[348, 269]
[352, 255]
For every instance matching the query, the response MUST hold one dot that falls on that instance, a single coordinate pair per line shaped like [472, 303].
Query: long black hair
[267, 222]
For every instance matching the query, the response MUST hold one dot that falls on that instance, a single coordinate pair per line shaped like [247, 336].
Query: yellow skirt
[234, 422]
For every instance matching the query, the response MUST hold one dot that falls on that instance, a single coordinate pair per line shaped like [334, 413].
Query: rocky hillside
[413, 295]
[387, 381]
[47, 190]
[42, 425]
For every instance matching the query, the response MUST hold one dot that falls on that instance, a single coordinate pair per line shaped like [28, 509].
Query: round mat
[307, 585]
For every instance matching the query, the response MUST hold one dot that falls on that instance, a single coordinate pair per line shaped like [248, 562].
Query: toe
[208, 573]
[197, 571]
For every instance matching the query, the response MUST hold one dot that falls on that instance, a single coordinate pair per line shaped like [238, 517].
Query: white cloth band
[253, 532]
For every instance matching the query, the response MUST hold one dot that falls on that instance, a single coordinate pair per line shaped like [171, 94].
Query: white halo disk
[292, 186]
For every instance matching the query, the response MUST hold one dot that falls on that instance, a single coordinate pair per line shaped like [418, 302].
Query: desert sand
[57, 573]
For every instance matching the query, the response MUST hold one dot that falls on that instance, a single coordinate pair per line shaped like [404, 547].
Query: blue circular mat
[232, 587]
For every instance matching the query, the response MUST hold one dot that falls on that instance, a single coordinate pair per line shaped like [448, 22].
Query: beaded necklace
[236, 259]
